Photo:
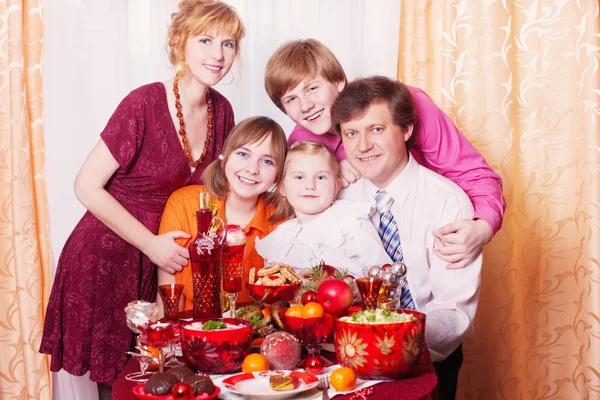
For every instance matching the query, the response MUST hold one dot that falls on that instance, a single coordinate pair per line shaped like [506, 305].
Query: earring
[180, 69]
[232, 77]
[272, 188]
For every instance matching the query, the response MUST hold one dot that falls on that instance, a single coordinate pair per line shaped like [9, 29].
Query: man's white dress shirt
[423, 202]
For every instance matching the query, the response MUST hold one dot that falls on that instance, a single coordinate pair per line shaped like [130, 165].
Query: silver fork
[324, 386]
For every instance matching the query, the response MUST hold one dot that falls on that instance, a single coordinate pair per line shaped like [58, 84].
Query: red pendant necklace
[209, 132]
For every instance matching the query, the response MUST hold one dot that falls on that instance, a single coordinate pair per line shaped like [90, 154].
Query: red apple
[309, 297]
[335, 296]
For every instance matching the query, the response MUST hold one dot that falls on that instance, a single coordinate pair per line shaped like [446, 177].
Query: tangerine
[255, 362]
[343, 379]
[294, 311]
[312, 310]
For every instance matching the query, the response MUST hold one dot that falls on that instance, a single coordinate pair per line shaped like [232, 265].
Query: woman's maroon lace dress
[98, 273]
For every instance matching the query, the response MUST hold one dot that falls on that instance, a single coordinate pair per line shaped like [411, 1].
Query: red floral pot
[271, 294]
[217, 351]
[381, 351]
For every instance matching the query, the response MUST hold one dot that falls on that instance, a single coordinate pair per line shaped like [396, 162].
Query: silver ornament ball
[389, 278]
[399, 268]
[374, 272]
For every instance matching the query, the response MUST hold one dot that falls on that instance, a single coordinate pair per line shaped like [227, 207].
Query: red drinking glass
[170, 295]
[232, 260]
[369, 291]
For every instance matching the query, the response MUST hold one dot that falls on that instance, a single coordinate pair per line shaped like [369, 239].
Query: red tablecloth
[422, 386]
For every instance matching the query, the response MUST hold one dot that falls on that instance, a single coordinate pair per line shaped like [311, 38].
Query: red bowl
[381, 351]
[217, 351]
[310, 330]
[275, 293]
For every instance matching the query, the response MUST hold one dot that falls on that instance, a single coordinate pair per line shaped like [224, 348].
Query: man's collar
[399, 187]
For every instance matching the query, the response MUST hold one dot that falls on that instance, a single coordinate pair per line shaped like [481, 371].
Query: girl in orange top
[251, 163]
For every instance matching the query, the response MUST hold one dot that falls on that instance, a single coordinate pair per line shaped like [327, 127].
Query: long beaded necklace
[209, 133]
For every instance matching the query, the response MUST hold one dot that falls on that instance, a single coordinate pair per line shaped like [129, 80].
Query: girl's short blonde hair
[283, 209]
[249, 131]
[196, 17]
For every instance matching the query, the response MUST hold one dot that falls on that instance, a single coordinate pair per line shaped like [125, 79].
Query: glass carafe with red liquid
[205, 256]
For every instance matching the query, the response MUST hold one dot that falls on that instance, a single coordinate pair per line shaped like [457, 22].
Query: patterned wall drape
[521, 79]
[24, 245]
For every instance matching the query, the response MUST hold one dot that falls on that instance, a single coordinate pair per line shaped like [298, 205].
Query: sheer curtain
[521, 80]
[24, 236]
[96, 51]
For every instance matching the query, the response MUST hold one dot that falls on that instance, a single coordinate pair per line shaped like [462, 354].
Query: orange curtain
[24, 236]
[521, 80]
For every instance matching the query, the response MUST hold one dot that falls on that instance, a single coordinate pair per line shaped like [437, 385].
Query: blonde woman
[159, 139]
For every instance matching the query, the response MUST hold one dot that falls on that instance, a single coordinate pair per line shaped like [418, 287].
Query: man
[303, 78]
[376, 119]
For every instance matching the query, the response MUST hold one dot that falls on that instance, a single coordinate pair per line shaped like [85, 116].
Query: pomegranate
[335, 295]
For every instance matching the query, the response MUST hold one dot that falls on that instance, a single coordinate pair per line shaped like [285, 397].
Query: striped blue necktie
[390, 237]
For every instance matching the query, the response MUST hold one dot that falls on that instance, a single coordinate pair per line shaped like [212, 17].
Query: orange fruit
[294, 311]
[343, 379]
[312, 310]
[255, 362]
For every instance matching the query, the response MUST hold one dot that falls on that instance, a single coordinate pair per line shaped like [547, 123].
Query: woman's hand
[166, 253]
[349, 173]
[460, 242]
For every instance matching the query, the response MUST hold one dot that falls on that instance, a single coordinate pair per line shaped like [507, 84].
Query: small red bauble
[309, 297]
[314, 365]
[182, 391]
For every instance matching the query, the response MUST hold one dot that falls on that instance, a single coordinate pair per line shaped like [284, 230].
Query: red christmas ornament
[314, 365]
[182, 391]
[309, 297]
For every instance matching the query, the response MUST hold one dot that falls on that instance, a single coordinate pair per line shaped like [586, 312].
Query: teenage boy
[376, 120]
[303, 78]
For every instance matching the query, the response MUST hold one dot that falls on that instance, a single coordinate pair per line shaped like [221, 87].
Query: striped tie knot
[384, 201]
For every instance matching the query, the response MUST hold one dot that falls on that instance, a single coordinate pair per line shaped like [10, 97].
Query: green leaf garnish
[213, 325]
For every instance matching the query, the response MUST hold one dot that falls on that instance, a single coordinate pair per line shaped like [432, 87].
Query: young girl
[338, 232]
[159, 139]
[251, 163]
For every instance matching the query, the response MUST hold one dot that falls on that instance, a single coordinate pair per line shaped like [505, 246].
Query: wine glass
[157, 335]
[232, 266]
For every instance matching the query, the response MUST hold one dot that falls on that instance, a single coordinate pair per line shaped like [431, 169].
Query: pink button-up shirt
[441, 147]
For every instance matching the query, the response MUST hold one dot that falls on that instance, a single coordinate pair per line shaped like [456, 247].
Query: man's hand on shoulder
[460, 242]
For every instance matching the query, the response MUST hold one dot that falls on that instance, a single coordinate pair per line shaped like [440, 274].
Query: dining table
[421, 385]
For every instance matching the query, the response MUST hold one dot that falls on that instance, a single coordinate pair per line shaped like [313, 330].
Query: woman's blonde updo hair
[196, 17]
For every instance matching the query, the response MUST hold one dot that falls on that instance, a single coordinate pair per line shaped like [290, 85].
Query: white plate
[256, 385]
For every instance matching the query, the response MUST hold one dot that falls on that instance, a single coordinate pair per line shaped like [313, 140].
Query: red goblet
[311, 332]
[158, 335]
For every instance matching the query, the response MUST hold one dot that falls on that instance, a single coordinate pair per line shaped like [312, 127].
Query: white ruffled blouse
[343, 236]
